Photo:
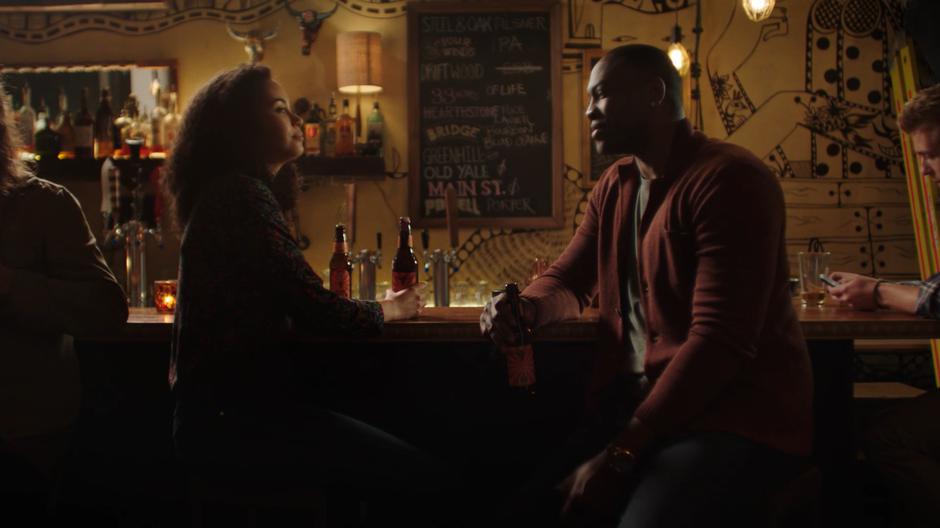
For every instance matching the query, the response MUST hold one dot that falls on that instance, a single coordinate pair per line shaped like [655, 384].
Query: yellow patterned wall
[806, 90]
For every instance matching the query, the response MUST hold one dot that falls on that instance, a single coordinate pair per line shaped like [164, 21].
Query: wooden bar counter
[462, 325]
[440, 363]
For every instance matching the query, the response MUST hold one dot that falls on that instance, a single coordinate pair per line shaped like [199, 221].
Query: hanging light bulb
[677, 52]
[758, 10]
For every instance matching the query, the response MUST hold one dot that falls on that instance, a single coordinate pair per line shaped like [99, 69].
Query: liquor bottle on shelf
[157, 116]
[63, 101]
[26, 119]
[340, 266]
[328, 145]
[47, 141]
[145, 125]
[520, 362]
[104, 127]
[345, 130]
[84, 130]
[67, 134]
[171, 123]
[42, 114]
[404, 265]
[375, 130]
[128, 124]
[312, 130]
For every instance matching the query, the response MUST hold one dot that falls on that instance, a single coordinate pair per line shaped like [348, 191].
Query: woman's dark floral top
[243, 282]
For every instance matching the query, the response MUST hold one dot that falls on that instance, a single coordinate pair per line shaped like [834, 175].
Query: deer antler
[237, 35]
[271, 33]
[327, 14]
[290, 10]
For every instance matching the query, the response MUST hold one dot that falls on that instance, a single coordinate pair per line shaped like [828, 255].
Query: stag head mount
[253, 40]
[310, 23]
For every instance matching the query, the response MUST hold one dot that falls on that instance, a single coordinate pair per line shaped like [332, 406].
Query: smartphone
[827, 281]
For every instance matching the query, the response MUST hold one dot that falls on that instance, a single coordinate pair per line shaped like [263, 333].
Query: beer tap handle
[425, 243]
[378, 250]
[450, 197]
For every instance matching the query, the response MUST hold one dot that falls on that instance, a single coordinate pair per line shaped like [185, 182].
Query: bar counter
[436, 374]
[439, 325]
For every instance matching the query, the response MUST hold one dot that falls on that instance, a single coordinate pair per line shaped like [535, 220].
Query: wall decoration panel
[823, 123]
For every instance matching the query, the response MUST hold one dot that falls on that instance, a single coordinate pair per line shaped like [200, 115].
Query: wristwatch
[620, 459]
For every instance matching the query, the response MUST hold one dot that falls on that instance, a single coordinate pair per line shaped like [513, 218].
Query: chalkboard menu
[485, 113]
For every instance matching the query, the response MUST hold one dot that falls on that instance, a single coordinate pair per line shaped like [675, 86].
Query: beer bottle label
[340, 283]
[520, 365]
[403, 280]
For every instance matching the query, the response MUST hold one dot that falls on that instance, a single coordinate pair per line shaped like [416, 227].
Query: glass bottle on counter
[375, 130]
[47, 141]
[340, 266]
[345, 130]
[171, 123]
[84, 130]
[104, 126]
[26, 119]
[405, 264]
[520, 361]
[328, 136]
[312, 130]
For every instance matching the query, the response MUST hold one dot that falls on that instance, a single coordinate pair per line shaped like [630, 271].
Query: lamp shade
[359, 62]
[758, 10]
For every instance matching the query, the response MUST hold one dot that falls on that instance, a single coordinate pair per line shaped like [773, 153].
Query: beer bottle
[84, 130]
[520, 363]
[104, 126]
[340, 266]
[405, 265]
[345, 138]
[312, 130]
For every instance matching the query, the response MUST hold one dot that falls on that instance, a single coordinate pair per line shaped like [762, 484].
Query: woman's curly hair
[12, 171]
[217, 139]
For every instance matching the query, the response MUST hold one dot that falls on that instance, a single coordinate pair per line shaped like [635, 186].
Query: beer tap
[442, 261]
[131, 227]
[368, 261]
[425, 242]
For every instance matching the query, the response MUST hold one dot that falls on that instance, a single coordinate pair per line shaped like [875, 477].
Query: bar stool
[244, 500]
[797, 503]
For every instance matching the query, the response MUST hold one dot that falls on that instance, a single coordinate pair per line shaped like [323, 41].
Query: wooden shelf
[74, 169]
[343, 167]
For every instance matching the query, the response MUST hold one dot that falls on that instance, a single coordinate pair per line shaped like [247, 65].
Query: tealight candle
[164, 295]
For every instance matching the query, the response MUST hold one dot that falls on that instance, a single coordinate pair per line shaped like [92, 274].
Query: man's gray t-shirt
[632, 309]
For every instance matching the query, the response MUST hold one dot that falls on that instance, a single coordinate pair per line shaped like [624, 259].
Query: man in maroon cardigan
[701, 400]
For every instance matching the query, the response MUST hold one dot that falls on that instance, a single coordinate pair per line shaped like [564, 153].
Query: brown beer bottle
[520, 362]
[340, 266]
[405, 265]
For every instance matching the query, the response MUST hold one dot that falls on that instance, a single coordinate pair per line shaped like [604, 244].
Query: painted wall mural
[37, 28]
[823, 124]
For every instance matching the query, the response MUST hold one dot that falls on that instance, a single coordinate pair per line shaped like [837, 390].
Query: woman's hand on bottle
[405, 304]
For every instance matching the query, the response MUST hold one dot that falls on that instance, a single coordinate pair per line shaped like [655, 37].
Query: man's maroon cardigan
[724, 349]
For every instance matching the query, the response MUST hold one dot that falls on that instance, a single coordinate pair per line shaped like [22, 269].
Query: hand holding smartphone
[828, 281]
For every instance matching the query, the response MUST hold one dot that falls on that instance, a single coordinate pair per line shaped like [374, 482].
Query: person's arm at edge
[568, 285]
[315, 307]
[78, 294]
